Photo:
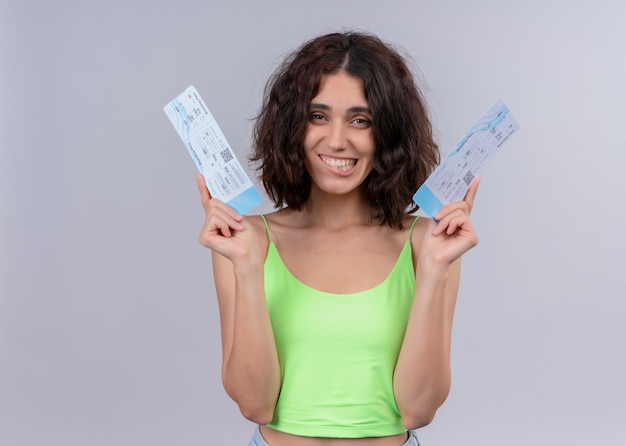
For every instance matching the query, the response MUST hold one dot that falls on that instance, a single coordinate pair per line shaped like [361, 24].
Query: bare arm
[422, 376]
[250, 368]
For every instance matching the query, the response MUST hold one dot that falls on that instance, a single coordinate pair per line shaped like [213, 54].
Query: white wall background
[108, 320]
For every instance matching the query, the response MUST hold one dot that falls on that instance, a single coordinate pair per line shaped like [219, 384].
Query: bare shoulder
[422, 224]
[285, 217]
[281, 222]
[257, 225]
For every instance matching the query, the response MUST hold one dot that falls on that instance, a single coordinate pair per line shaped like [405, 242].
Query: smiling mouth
[342, 164]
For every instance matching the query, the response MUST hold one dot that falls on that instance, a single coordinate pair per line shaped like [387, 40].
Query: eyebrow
[355, 109]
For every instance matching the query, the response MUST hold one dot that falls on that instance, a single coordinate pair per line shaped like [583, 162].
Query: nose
[337, 136]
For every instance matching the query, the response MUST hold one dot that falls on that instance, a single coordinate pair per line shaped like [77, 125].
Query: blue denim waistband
[258, 440]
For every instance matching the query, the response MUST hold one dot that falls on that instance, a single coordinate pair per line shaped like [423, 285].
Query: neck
[337, 211]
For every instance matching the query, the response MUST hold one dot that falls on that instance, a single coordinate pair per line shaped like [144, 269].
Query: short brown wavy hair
[405, 151]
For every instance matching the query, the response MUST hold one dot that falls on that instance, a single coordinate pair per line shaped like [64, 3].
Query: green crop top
[338, 352]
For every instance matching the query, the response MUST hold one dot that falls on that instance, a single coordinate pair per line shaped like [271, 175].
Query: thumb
[470, 196]
[205, 195]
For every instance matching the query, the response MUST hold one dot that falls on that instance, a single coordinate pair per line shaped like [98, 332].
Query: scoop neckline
[407, 245]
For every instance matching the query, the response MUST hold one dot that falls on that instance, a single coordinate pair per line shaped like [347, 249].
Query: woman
[336, 310]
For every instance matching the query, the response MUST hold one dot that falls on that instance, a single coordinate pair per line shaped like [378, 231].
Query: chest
[340, 263]
[309, 319]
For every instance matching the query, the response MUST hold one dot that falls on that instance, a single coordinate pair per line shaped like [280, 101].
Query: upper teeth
[338, 162]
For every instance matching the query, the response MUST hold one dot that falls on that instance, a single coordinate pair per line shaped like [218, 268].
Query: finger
[208, 238]
[221, 214]
[451, 208]
[214, 228]
[211, 204]
[456, 223]
[224, 228]
[205, 195]
[470, 196]
[448, 222]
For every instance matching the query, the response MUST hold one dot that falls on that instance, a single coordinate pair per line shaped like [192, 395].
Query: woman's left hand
[453, 233]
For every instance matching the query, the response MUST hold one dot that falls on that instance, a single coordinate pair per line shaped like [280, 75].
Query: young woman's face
[339, 141]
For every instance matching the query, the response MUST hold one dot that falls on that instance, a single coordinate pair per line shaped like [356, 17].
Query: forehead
[341, 88]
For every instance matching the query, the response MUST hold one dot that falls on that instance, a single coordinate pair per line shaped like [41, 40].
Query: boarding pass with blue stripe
[451, 180]
[213, 156]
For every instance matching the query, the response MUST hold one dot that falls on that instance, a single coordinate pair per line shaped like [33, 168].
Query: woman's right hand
[225, 231]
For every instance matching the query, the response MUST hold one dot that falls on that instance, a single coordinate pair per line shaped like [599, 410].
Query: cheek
[371, 158]
[366, 141]
[369, 147]
[310, 138]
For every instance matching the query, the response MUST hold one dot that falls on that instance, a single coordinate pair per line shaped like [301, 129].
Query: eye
[316, 117]
[362, 122]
